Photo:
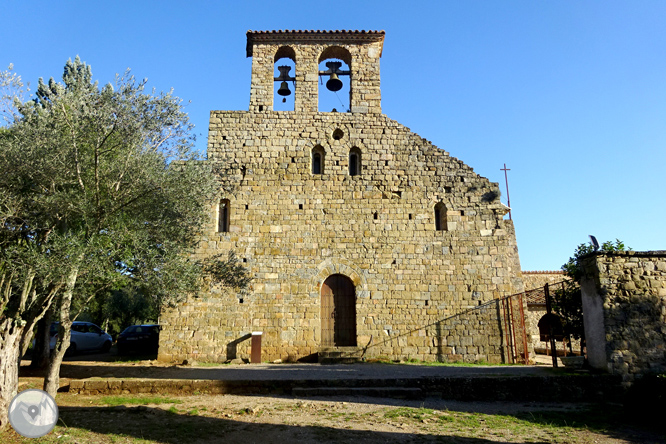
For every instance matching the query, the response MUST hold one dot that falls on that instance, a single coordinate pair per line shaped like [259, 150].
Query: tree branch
[27, 288]
[131, 201]
[76, 148]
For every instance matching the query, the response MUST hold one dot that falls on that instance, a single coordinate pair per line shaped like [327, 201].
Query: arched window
[354, 162]
[223, 211]
[440, 217]
[318, 158]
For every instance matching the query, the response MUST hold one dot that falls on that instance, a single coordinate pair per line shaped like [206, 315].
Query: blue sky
[571, 95]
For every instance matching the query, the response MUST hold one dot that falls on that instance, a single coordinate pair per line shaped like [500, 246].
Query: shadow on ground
[163, 426]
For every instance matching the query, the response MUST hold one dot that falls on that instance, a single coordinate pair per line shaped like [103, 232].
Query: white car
[86, 336]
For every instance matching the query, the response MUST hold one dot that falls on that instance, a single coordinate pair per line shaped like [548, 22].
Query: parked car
[85, 336]
[139, 338]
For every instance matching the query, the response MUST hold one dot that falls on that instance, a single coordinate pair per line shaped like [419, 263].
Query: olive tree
[100, 185]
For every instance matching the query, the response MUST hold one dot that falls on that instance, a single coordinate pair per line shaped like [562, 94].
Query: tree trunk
[52, 378]
[41, 351]
[11, 331]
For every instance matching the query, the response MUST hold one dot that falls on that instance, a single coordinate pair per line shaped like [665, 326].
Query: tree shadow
[158, 425]
[164, 426]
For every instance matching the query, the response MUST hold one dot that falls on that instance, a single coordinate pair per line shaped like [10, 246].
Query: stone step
[329, 360]
[557, 387]
[339, 355]
[378, 392]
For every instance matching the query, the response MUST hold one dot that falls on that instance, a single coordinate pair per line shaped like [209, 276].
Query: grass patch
[127, 359]
[137, 400]
[210, 364]
[598, 420]
[408, 412]
[594, 419]
[413, 361]
[481, 363]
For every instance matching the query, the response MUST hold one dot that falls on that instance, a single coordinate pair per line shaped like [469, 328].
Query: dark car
[139, 338]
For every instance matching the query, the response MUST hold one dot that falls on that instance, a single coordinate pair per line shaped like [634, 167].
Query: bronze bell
[334, 83]
[284, 89]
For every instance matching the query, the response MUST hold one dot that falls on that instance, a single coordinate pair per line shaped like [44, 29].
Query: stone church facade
[363, 238]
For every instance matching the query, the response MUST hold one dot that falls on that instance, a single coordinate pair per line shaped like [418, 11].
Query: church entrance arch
[338, 312]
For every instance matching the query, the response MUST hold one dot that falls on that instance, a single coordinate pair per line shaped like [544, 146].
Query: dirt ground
[248, 419]
[202, 418]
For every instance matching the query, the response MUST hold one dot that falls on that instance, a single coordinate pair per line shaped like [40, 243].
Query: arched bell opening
[338, 312]
[335, 80]
[284, 79]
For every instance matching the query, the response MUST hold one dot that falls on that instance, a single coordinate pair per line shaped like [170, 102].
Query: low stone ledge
[562, 388]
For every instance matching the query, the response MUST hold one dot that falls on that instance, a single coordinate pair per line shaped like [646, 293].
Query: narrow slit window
[223, 216]
[318, 160]
[440, 217]
[353, 168]
[316, 163]
[354, 162]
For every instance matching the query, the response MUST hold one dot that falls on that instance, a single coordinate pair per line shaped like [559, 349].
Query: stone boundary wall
[564, 388]
[624, 306]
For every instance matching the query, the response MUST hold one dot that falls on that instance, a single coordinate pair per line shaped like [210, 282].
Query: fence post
[550, 326]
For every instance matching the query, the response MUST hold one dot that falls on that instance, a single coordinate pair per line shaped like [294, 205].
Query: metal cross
[506, 179]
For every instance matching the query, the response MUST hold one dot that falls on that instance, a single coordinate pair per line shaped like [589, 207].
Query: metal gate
[338, 312]
[513, 329]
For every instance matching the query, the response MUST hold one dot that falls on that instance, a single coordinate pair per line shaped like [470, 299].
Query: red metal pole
[513, 328]
[522, 324]
[507, 322]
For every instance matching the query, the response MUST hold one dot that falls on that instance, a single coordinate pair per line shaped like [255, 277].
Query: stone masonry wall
[293, 229]
[201, 330]
[624, 303]
[537, 279]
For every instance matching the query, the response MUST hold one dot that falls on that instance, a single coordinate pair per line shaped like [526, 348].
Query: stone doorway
[338, 312]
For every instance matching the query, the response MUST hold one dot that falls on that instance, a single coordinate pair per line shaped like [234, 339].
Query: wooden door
[338, 311]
